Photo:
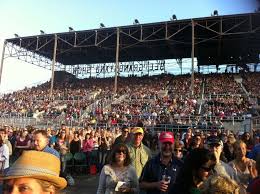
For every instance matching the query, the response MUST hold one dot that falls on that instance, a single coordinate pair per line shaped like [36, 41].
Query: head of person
[218, 184]
[24, 133]
[3, 134]
[40, 139]
[215, 145]
[240, 149]
[166, 140]
[119, 155]
[231, 139]
[34, 172]
[138, 134]
[125, 131]
[196, 141]
[197, 167]
[87, 136]
[178, 149]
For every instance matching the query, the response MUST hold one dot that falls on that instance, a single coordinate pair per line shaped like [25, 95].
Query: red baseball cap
[166, 137]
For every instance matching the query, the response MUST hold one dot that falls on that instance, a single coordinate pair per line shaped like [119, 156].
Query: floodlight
[215, 13]
[16, 35]
[173, 18]
[102, 25]
[71, 29]
[136, 21]
[42, 32]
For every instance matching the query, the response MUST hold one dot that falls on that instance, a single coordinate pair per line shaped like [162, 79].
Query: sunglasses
[121, 151]
[178, 150]
[126, 131]
[207, 169]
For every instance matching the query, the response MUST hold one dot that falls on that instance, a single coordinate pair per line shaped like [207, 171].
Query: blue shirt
[51, 151]
[154, 169]
[254, 152]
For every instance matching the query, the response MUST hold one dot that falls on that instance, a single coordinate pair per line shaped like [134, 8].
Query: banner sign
[98, 69]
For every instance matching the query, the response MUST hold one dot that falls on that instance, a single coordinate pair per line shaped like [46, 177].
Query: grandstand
[143, 88]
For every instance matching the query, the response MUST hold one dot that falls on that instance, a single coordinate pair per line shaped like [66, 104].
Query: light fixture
[215, 13]
[71, 29]
[174, 17]
[16, 35]
[136, 22]
[42, 32]
[102, 25]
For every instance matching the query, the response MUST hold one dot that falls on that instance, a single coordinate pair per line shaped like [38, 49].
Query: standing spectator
[41, 143]
[118, 171]
[124, 137]
[254, 186]
[103, 148]
[215, 145]
[34, 172]
[244, 167]
[6, 141]
[139, 153]
[88, 145]
[23, 142]
[161, 167]
[196, 169]
[254, 152]
[75, 144]
[4, 155]
[229, 147]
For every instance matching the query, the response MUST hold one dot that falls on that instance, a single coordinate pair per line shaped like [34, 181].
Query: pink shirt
[88, 145]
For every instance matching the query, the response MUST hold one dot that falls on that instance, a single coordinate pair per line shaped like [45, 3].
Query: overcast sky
[28, 17]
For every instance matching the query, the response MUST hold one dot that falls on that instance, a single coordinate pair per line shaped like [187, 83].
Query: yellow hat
[38, 165]
[137, 130]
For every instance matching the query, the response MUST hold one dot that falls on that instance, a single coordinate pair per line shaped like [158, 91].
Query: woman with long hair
[244, 167]
[118, 176]
[197, 167]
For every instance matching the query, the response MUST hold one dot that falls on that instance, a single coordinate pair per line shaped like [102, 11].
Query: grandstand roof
[229, 39]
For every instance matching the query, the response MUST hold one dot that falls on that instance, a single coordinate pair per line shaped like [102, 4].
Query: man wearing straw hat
[34, 172]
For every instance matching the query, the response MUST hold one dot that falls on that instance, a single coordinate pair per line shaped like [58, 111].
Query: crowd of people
[116, 139]
[134, 160]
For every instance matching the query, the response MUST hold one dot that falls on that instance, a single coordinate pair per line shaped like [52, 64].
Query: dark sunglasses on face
[121, 151]
[126, 131]
[178, 150]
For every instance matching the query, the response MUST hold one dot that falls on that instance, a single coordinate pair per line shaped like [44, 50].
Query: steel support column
[117, 58]
[53, 63]
[2, 61]
[192, 57]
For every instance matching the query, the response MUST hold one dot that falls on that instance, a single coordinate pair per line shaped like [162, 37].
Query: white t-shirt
[4, 155]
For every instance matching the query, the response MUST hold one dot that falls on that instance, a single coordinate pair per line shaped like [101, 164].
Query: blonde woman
[244, 167]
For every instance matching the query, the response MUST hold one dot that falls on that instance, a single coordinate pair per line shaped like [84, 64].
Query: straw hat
[38, 165]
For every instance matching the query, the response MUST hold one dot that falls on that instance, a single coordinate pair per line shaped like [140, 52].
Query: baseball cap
[137, 130]
[166, 137]
[214, 140]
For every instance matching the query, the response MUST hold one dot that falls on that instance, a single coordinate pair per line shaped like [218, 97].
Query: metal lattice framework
[230, 39]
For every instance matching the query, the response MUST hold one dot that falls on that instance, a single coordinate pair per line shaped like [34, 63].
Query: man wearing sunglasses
[160, 173]
[124, 137]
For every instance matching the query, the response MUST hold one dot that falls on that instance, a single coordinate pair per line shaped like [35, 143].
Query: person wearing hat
[139, 153]
[160, 173]
[215, 145]
[34, 172]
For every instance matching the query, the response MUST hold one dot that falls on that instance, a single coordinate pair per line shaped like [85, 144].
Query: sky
[28, 17]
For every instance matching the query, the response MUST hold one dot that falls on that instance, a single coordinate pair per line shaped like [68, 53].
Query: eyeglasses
[121, 151]
[207, 169]
[178, 150]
